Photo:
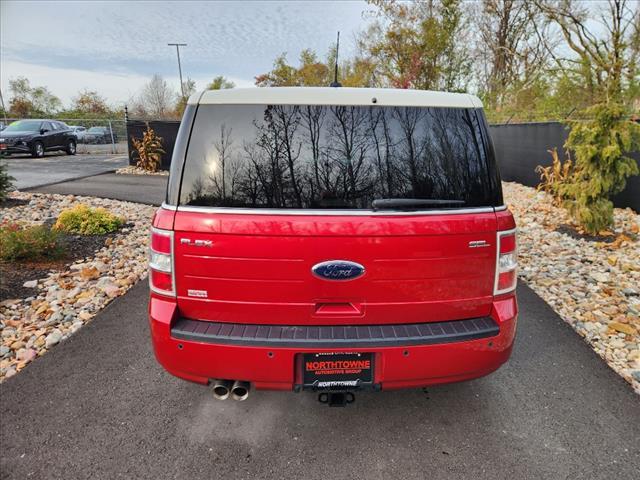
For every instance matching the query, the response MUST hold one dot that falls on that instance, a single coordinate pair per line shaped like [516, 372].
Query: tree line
[527, 60]
[156, 100]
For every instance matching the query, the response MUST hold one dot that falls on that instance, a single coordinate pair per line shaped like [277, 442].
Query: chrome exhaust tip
[240, 390]
[221, 389]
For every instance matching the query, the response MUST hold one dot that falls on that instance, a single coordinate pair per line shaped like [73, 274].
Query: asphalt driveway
[149, 189]
[54, 167]
[98, 406]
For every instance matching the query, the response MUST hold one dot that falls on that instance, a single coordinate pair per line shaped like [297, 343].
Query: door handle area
[338, 308]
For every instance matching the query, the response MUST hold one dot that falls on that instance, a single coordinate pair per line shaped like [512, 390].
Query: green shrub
[6, 182]
[85, 220]
[602, 166]
[29, 243]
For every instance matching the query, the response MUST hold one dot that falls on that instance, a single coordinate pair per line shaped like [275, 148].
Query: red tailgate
[257, 268]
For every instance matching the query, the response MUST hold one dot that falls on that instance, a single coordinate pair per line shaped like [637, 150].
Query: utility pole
[4, 110]
[178, 45]
[335, 82]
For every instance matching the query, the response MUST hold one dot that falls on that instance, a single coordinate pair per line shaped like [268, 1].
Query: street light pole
[4, 110]
[178, 45]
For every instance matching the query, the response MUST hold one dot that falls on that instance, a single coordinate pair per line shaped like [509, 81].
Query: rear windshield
[337, 157]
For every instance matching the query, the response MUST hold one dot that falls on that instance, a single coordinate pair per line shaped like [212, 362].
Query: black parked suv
[36, 137]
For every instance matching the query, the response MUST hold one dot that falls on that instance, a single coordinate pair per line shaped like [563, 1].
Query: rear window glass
[337, 157]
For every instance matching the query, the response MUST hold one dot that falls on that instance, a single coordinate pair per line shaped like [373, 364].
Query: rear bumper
[273, 367]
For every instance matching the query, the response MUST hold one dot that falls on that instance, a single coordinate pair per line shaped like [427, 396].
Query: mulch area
[13, 275]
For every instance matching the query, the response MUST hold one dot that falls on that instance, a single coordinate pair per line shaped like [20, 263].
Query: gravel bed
[593, 285]
[133, 170]
[65, 300]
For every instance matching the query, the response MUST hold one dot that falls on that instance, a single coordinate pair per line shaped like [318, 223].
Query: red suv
[333, 240]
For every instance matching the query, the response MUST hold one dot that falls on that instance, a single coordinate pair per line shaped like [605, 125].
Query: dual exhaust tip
[238, 390]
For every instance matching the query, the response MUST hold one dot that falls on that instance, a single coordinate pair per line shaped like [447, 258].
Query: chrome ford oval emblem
[338, 270]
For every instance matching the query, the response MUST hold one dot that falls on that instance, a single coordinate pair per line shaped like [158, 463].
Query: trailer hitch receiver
[336, 399]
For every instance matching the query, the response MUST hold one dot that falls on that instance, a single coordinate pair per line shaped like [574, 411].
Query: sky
[114, 47]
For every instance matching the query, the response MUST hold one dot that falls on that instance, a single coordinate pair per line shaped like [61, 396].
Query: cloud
[100, 44]
[65, 83]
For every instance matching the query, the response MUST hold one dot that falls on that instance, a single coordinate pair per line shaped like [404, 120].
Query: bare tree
[380, 141]
[266, 155]
[606, 57]
[509, 53]
[348, 129]
[313, 118]
[223, 147]
[157, 99]
[410, 120]
[285, 121]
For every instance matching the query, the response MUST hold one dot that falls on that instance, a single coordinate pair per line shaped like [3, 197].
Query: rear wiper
[411, 203]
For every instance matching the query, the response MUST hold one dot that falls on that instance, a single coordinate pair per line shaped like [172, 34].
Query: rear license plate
[337, 370]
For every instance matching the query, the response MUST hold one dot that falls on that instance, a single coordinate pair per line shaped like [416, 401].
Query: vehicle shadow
[259, 418]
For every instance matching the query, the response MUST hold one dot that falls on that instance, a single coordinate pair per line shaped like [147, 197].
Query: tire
[37, 151]
[71, 147]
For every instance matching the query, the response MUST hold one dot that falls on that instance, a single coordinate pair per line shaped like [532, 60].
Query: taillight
[506, 263]
[161, 274]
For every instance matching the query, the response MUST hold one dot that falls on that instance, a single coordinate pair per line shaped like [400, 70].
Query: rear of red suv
[334, 240]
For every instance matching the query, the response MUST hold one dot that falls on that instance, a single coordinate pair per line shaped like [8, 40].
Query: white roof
[335, 96]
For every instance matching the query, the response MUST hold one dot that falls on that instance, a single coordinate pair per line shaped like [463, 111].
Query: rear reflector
[506, 263]
[161, 282]
[161, 274]
[506, 281]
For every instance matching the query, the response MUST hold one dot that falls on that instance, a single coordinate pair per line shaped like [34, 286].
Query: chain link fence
[97, 136]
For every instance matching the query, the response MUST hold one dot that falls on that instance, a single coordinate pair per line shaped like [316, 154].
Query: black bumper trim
[334, 336]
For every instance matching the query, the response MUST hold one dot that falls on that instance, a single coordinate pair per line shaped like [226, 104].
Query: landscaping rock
[54, 337]
[66, 300]
[133, 170]
[26, 355]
